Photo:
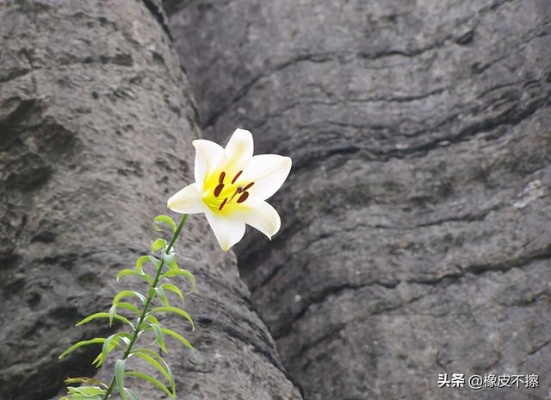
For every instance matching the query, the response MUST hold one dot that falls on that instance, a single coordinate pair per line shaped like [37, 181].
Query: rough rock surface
[96, 125]
[416, 235]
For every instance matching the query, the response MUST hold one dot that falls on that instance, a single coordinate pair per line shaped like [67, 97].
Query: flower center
[225, 193]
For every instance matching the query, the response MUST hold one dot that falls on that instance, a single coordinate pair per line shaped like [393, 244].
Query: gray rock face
[416, 235]
[96, 124]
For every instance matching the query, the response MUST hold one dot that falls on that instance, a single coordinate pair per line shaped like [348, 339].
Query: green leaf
[166, 220]
[106, 315]
[156, 326]
[170, 260]
[158, 244]
[112, 312]
[85, 380]
[180, 272]
[162, 295]
[177, 336]
[131, 394]
[82, 343]
[175, 310]
[111, 343]
[174, 289]
[129, 293]
[129, 306]
[147, 351]
[89, 390]
[152, 380]
[125, 337]
[119, 377]
[143, 259]
[157, 362]
[75, 395]
[98, 360]
[140, 273]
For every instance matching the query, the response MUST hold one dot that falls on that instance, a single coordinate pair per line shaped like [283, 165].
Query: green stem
[147, 302]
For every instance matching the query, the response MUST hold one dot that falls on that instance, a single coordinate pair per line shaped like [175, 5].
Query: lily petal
[240, 147]
[268, 172]
[207, 157]
[187, 201]
[228, 231]
[263, 217]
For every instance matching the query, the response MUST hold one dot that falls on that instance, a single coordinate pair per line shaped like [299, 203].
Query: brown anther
[248, 186]
[218, 189]
[236, 176]
[222, 176]
[243, 197]
[223, 204]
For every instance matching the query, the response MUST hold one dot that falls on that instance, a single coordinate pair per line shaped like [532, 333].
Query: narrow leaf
[175, 310]
[152, 354]
[158, 244]
[125, 337]
[164, 219]
[129, 306]
[89, 390]
[108, 346]
[129, 293]
[177, 336]
[159, 337]
[143, 259]
[80, 344]
[131, 394]
[163, 369]
[152, 380]
[85, 380]
[156, 326]
[170, 260]
[74, 395]
[174, 289]
[98, 360]
[180, 272]
[162, 295]
[119, 377]
[111, 343]
[106, 315]
[140, 273]
[112, 312]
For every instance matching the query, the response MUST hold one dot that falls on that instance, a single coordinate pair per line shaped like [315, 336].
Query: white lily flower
[231, 186]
